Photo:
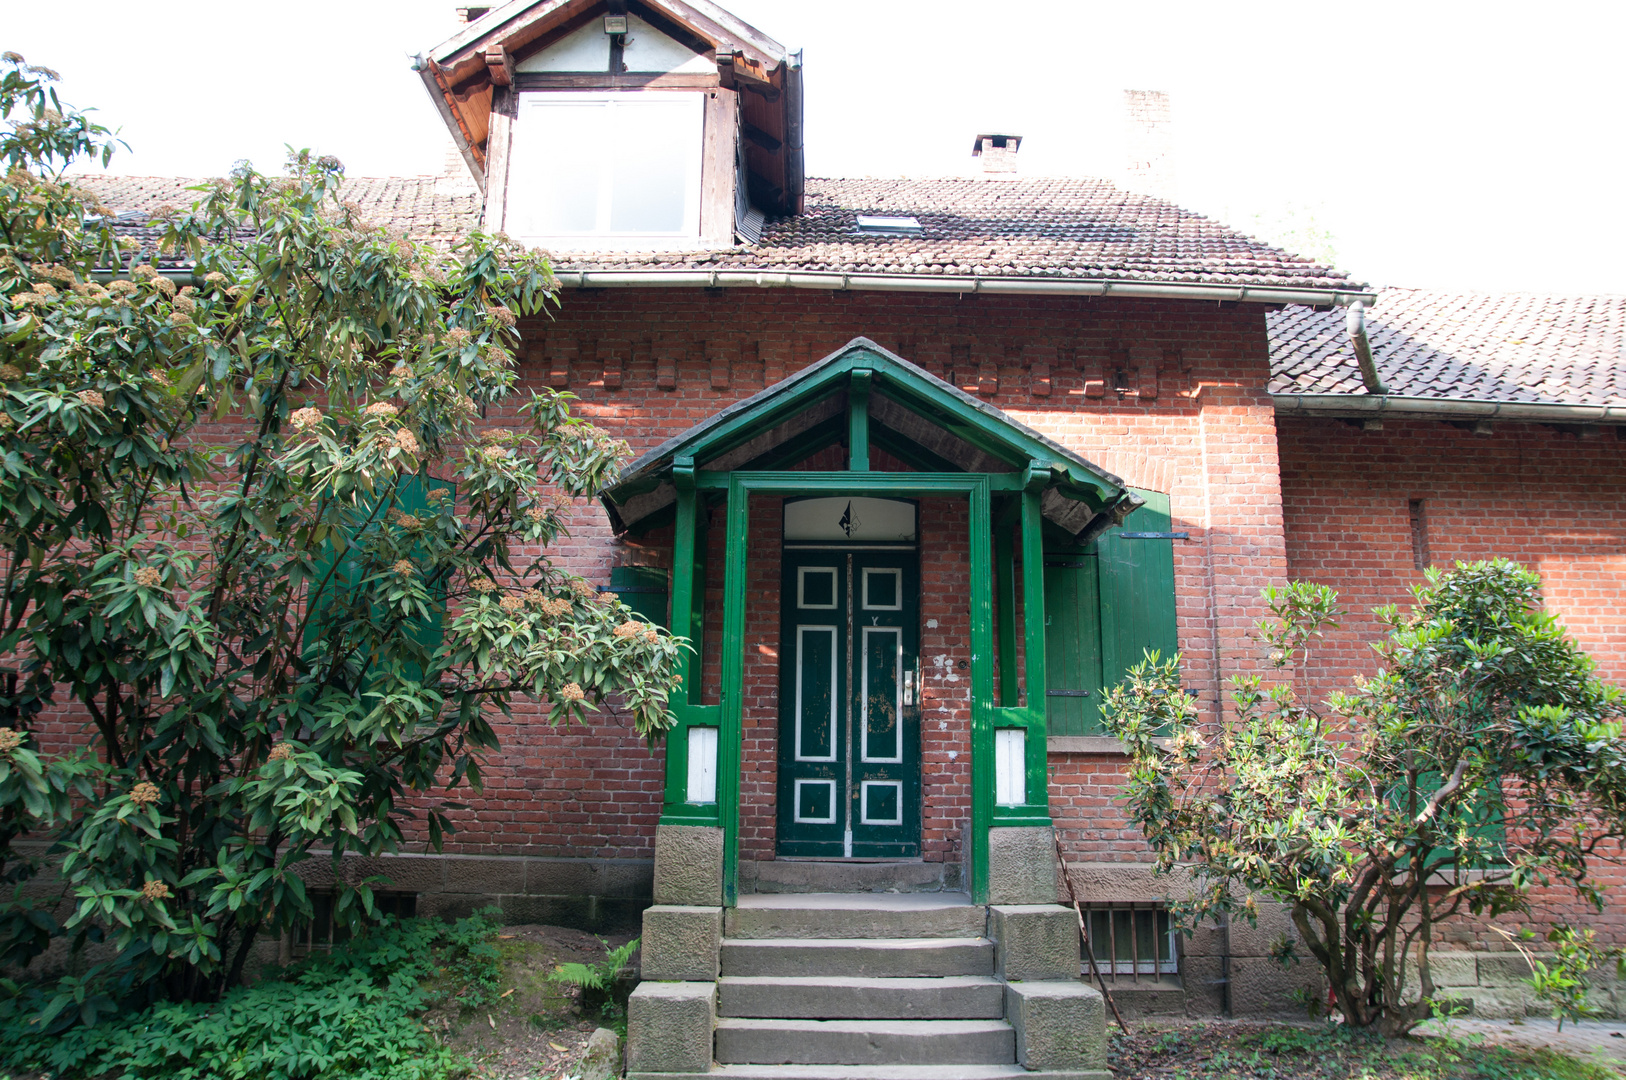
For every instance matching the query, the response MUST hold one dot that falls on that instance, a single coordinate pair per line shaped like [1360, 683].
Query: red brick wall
[1549, 499]
[1196, 423]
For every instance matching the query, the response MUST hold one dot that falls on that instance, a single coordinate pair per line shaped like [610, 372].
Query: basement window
[613, 170]
[328, 928]
[889, 226]
[1132, 940]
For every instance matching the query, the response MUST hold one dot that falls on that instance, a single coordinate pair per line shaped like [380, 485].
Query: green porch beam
[858, 420]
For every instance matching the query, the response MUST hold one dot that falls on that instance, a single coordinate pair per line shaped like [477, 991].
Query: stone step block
[865, 1042]
[855, 915]
[874, 1072]
[879, 958]
[833, 997]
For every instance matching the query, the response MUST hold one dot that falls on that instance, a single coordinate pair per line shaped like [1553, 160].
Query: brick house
[922, 466]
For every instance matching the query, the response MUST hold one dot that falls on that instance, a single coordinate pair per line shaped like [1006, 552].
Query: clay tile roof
[1055, 227]
[1032, 228]
[435, 209]
[1507, 347]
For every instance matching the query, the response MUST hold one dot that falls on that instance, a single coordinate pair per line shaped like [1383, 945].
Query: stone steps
[855, 915]
[865, 1042]
[879, 958]
[878, 986]
[874, 1072]
[834, 997]
[840, 876]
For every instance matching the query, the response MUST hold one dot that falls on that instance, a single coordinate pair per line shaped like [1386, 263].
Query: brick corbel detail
[666, 363]
[560, 352]
[774, 353]
[612, 361]
[1143, 361]
[1092, 367]
[717, 352]
[1040, 358]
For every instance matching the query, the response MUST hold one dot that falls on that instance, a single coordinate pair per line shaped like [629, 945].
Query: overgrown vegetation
[601, 985]
[1266, 1051]
[356, 1012]
[249, 531]
[1484, 760]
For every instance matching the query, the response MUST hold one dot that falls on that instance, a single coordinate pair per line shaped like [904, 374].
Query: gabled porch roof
[911, 414]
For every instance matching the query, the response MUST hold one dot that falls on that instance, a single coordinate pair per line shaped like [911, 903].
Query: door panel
[818, 651]
[849, 746]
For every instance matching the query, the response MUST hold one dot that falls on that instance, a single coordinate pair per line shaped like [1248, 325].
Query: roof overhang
[465, 73]
[993, 286]
[913, 415]
[1377, 406]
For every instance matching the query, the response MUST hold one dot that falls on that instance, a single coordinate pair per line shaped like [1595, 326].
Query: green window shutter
[1483, 816]
[644, 589]
[1137, 590]
[1104, 608]
[411, 497]
[1072, 644]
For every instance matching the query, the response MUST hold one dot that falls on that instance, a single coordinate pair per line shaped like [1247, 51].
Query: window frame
[528, 151]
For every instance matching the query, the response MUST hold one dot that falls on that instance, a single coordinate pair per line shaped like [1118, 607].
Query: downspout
[1356, 325]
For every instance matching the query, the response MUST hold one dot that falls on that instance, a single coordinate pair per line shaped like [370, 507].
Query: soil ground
[1245, 1050]
[539, 1030]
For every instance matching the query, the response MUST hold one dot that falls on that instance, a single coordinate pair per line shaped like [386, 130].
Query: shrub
[1485, 758]
[253, 537]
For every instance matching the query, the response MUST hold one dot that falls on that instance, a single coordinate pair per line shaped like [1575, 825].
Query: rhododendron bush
[256, 535]
[1484, 760]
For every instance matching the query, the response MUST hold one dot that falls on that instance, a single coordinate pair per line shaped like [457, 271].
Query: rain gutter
[1378, 405]
[992, 286]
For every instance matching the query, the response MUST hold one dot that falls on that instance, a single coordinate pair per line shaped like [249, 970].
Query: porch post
[688, 840]
[1038, 701]
[982, 687]
[732, 699]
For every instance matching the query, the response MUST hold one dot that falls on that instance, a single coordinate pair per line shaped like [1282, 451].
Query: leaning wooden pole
[1084, 933]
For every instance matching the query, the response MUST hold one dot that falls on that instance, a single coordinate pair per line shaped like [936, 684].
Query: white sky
[1473, 145]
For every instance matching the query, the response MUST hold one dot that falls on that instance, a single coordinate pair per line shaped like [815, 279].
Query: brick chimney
[997, 153]
[1149, 144]
[470, 14]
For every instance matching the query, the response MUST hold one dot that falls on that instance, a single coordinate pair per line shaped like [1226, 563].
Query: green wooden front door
[849, 709]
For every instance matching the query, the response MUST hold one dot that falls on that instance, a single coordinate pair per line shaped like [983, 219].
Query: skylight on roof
[889, 226]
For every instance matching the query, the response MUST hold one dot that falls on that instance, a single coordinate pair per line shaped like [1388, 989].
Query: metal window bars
[325, 929]
[1133, 939]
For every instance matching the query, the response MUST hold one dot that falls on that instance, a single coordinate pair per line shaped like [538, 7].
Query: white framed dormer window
[606, 170]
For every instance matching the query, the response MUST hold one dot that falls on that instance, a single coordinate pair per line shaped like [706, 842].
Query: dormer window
[622, 169]
[631, 125]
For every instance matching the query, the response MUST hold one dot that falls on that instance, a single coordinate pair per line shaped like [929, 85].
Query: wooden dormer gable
[476, 77]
